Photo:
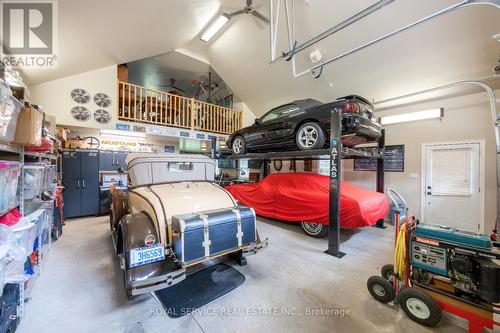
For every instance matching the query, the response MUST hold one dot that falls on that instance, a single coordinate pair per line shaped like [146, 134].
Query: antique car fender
[132, 231]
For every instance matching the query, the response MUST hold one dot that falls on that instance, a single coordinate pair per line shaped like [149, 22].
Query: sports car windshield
[279, 112]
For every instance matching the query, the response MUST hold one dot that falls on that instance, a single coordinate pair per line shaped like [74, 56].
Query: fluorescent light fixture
[214, 27]
[412, 116]
[123, 134]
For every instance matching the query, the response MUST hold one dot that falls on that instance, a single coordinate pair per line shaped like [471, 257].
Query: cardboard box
[29, 127]
[49, 123]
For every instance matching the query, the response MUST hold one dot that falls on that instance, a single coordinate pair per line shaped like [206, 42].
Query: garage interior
[239, 166]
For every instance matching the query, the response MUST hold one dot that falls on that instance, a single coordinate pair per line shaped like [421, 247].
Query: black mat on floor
[198, 289]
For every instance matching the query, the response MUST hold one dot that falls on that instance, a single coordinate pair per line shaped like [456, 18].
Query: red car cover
[300, 197]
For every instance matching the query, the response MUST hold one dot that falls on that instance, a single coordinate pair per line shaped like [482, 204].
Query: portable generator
[455, 261]
[439, 268]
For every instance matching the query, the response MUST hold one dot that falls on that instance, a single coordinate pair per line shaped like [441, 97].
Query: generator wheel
[387, 272]
[380, 289]
[117, 208]
[419, 306]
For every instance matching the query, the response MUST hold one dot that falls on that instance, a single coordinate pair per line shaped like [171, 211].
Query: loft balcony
[144, 105]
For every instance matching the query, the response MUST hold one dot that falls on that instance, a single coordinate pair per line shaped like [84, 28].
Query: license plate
[146, 255]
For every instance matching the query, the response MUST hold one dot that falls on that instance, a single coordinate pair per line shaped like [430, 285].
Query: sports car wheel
[310, 136]
[238, 145]
[315, 230]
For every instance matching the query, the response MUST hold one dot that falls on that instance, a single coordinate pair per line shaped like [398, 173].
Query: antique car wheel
[116, 211]
[310, 136]
[315, 230]
[238, 145]
[419, 306]
[127, 285]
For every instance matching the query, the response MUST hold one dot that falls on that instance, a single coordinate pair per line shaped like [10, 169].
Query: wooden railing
[144, 105]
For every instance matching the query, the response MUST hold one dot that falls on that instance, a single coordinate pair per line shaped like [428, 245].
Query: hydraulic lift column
[334, 200]
[380, 171]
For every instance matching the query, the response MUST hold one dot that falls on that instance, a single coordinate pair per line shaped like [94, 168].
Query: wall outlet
[414, 175]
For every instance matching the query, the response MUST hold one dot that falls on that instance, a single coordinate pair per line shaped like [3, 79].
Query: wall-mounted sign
[168, 131]
[123, 127]
[394, 160]
[169, 149]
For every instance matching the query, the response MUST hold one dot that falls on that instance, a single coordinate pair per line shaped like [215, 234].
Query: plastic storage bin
[10, 108]
[9, 176]
[33, 180]
[27, 230]
[49, 176]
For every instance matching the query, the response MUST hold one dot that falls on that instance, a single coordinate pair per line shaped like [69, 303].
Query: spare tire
[117, 207]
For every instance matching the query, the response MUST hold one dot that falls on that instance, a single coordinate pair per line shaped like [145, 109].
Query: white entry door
[451, 185]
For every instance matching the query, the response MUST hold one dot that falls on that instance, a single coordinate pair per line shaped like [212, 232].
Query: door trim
[482, 181]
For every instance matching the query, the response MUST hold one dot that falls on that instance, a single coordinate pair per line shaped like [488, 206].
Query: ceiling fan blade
[260, 16]
[236, 13]
[177, 88]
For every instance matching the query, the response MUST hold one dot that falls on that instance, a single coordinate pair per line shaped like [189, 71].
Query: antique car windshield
[279, 112]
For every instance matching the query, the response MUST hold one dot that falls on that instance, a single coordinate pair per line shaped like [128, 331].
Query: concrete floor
[80, 289]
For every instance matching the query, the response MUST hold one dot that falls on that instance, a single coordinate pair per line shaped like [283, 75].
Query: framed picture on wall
[394, 160]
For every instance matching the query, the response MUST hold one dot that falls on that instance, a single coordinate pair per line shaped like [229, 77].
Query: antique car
[305, 125]
[173, 217]
[303, 198]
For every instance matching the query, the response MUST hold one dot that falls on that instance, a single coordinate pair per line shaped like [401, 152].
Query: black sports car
[305, 124]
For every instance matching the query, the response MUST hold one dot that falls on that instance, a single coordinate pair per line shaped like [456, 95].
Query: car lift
[335, 153]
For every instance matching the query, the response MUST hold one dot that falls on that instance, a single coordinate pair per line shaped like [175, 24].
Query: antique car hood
[192, 197]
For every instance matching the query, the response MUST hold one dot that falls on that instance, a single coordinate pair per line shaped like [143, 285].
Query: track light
[214, 27]
[412, 116]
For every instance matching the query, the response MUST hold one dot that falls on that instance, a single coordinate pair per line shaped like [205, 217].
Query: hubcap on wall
[308, 136]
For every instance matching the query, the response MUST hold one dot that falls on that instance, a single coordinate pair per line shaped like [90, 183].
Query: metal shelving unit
[43, 248]
[334, 154]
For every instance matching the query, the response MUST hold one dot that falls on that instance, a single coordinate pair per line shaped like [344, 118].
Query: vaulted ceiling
[457, 46]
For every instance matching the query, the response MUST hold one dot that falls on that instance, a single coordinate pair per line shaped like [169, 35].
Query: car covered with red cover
[303, 198]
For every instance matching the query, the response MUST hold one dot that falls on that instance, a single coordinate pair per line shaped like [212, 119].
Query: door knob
[429, 193]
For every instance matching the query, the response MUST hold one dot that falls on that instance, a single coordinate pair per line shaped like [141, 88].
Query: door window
[451, 172]
[279, 112]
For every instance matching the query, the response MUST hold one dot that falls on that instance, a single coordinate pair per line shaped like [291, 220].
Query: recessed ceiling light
[214, 27]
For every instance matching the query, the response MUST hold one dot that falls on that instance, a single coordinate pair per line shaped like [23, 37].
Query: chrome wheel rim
[237, 145]
[312, 228]
[379, 290]
[418, 308]
[308, 136]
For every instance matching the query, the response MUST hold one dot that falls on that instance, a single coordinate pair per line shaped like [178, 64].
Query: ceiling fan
[248, 9]
[223, 18]
[172, 85]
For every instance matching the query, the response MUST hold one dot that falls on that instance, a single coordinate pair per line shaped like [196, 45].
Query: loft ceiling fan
[248, 9]
[172, 85]
[223, 18]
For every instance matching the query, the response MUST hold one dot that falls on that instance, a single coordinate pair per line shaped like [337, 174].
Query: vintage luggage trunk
[205, 234]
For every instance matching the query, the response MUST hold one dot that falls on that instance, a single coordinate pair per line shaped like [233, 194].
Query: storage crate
[9, 176]
[10, 108]
[33, 180]
[27, 230]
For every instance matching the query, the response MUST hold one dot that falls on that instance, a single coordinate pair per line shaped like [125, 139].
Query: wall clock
[80, 95]
[80, 113]
[102, 116]
[102, 100]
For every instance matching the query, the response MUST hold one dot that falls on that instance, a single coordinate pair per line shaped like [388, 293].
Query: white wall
[55, 96]
[467, 117]
[248, 115]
